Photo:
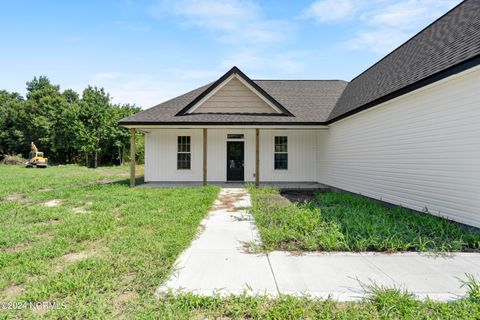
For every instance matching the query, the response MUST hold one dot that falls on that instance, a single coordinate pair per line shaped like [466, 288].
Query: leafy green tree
[69, 128]
[12, 114]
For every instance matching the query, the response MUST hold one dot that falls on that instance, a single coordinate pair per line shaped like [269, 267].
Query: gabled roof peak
[215, 86]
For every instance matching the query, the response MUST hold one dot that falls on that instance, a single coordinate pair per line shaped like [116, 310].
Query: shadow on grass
[122, 182]
[299, 196]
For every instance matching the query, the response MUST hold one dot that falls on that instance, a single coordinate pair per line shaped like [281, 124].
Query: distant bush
[13, 160]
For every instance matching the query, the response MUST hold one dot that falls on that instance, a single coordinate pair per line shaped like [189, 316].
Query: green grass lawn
[337, 221]
[101, 248]
[82, 239]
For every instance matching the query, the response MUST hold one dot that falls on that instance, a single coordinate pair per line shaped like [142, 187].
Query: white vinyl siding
[302, 151]
[421, 150]
[161, 155]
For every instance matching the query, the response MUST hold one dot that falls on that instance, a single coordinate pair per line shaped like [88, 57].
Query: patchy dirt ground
[52, 203]
[300, 196]
[227, 201]
[125, 297]
[74, 257]
[12, 291]
[18, 247]
[15, 197]
[80, 210]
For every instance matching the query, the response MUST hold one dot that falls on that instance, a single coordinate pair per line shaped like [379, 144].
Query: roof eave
[209, 123]
[463, 66]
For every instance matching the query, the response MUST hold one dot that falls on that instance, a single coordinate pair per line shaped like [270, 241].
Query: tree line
[66, 126]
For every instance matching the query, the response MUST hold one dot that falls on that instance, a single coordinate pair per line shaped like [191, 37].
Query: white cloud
[211, 14]
[389, 24]
[382, 24]
[234, 21]
[330, 10]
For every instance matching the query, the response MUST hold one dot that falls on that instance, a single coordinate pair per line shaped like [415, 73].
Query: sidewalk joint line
[273, 273]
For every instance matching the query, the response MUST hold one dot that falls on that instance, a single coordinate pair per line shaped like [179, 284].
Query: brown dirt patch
[80, 210]
[105, 181]
[15, 197]
[76, 256]
[227, 201]
[125, 297]
[250, 247]
[277, 199]
[300, 196]
[13, 291]
[44, 190]
[53, 221]
[45, 236]
[18, 247]
[52, 203]
[94, 249]
[39, 310]
[73, 257]
[128, 278]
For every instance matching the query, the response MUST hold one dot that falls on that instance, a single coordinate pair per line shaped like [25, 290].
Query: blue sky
[145, 52]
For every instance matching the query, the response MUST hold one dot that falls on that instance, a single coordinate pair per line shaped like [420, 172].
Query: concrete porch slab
[313, 186]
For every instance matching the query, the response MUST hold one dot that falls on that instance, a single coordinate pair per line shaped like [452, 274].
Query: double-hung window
[184, 156]
[281, 153]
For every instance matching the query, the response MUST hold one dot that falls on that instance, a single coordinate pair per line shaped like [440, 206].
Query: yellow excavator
[35, 158]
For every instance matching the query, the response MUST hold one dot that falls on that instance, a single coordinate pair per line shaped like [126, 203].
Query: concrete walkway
[219, 262]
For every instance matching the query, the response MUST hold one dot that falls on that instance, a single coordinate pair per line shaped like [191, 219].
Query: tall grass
[378, 303]
[339, 221]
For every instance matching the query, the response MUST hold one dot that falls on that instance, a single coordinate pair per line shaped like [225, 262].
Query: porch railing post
[205, 156]
[257, 157]
[132, 157]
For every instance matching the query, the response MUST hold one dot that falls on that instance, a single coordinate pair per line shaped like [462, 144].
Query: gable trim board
[234, 72]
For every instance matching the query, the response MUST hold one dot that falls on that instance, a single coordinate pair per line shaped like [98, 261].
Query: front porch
[228, 156]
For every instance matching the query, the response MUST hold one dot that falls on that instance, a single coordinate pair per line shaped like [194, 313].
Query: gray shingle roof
[451, 42]
[310, 101]
[452, 39]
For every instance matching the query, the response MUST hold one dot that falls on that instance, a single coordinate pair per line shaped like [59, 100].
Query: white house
[406, 130]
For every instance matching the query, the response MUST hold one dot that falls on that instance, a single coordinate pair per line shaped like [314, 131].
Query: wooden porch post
[257, 157]
[204, 156]
[132, 157]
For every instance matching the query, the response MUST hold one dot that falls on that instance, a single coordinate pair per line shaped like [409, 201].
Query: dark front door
[235, 160]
